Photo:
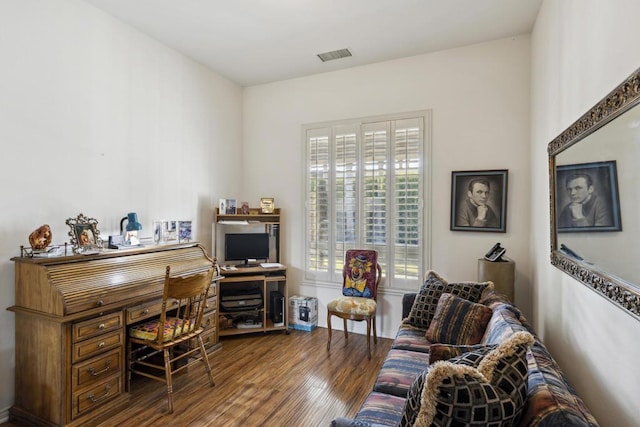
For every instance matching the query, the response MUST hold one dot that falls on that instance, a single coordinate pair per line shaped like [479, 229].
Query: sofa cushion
[399, 370]
[456, 394]
[411, 338]
[380, 408]
[551, 400]
[426, 301]
[458, 321]
[502, 325]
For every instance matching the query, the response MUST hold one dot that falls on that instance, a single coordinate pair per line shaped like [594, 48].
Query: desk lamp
[131, 235]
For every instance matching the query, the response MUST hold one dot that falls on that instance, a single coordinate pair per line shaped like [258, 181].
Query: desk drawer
[211, 303]
[213, 289]
[95, 346]
[209, 338]
[146, 310]
[209, 319]
[143, 311]
[83, 401]
[96, 326]
[96, 369]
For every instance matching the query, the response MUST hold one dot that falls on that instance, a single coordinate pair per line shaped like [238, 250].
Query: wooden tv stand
[252, 319]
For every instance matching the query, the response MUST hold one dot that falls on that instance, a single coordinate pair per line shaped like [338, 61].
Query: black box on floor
[276, 307]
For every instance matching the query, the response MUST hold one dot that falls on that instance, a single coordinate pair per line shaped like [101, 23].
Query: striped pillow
[458, 321]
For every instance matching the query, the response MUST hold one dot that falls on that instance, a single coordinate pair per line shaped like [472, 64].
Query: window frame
[331, 277]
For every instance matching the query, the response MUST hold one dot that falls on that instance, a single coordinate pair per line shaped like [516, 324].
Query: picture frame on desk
[267, 205]
[84, 233]
[244, 208]
[184, 231]
[231, 207]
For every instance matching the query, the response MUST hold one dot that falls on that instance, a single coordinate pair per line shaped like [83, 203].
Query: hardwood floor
[264, 379]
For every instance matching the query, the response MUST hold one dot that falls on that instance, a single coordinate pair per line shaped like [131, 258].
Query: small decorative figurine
[41, 238]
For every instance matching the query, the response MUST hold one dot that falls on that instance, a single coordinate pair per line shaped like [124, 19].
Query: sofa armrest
[407, 303]
[350, 422]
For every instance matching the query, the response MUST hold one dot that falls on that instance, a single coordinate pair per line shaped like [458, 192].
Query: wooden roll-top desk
[70, 327]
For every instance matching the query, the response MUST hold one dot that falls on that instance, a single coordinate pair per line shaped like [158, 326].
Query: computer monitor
[245, 247]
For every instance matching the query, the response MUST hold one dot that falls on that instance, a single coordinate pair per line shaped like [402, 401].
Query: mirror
[594, 182]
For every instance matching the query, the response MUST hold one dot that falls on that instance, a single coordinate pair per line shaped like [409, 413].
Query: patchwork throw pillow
[426, 301]
[458, 321]
[454, 393]
[470, 355]
[414, 400]
[507, 367]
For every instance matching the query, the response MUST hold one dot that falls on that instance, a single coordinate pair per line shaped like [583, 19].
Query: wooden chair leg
[205, 359]
[329, 330]
[167, 371]
[346, 334]
[375, 336]
[369, 336]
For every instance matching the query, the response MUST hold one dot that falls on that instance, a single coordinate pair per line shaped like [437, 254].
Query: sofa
[465, 355]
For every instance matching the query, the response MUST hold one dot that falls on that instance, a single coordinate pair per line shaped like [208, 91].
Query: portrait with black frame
[479, 200]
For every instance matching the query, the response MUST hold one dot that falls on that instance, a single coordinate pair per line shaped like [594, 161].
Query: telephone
[565, 249]
[495, 253]
[118, 242]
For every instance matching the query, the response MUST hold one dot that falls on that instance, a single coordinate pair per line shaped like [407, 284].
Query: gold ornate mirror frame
[609, 284]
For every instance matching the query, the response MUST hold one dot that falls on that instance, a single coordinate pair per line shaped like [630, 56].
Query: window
[366, 187]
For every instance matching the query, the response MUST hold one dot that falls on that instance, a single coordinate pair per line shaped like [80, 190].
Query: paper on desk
[270, 264]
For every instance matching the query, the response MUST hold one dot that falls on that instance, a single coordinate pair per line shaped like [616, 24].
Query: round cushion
[353, 305]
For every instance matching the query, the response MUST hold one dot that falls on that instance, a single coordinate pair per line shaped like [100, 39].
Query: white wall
[479, 96]
[97, 118]
[582, 49]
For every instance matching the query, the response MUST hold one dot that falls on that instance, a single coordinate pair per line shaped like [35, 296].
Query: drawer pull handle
[95, 373]
[94, 399]
[175, 302]
[101, 344]
[145, 311]
[100, 303]
[101, 326]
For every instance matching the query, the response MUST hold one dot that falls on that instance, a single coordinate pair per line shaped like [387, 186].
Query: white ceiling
[258, 41]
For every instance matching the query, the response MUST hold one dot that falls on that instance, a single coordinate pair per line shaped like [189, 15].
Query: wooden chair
[360, 279]
[180, 324]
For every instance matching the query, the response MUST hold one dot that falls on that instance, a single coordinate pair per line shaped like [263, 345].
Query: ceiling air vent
[334, 54]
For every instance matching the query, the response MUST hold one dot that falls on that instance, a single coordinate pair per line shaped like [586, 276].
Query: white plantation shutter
[318, 190]
[366, 187]
[345, 194]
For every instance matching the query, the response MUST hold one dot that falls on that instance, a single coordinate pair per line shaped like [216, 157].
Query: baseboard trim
[4, 415]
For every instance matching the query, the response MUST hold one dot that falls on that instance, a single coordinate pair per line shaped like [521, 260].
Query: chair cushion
[359, 273]
[149, 331]
[353, 305]
[452, 393]
[458, 321]
[424, 306]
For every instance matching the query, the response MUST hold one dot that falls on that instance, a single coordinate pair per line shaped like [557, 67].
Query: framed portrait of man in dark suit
[587, 197]
[479, 200]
